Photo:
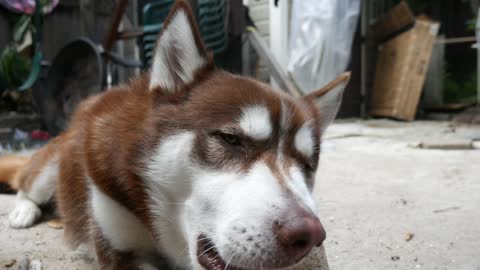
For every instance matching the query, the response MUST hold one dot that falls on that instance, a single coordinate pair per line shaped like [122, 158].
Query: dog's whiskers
[229, 261]
[205, 251]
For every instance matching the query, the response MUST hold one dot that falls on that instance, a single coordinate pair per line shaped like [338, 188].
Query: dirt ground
[385, 204]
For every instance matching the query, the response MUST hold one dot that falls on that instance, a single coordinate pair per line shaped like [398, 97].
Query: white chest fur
[123, 230]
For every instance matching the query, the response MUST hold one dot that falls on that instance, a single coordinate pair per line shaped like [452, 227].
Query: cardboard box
[397, 20]
[400, 72]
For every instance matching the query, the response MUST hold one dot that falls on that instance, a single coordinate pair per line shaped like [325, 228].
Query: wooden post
[276, 69]
[117, 18]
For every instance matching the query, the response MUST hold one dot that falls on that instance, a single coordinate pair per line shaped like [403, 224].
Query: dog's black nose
[298, 232]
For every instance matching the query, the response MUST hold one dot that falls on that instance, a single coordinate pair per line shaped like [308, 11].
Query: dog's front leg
[112, 259]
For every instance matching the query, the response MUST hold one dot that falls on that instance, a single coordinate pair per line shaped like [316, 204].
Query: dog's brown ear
[328, 99]
[179, 53]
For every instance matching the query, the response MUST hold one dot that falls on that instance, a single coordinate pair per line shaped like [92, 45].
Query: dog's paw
[24, 215]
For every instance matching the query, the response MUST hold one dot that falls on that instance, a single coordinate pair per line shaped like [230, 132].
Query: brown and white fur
[181, 159]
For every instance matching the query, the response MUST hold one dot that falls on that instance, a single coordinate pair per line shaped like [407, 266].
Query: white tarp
[321, 36]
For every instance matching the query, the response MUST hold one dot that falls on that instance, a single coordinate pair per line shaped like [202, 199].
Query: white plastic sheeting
[321, 35]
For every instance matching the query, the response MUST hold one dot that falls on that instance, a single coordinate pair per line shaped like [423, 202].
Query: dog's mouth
[209, 258]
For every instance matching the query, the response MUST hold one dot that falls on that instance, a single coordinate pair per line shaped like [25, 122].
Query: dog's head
[234, 166]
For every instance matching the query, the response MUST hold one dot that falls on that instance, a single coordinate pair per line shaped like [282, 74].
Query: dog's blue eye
[231, 139]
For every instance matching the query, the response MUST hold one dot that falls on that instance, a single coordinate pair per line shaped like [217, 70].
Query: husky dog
[208, 169]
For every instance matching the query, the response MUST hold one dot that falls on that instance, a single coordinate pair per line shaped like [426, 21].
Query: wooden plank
[276, 69]
[130, 34]
[112, 33]
[457, 40]
[445, 144]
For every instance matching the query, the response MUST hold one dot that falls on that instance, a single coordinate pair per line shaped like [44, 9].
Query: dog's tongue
[208, 256]
[211, 261]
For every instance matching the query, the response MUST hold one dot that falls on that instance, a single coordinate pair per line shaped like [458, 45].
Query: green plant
[15, 66]
[455, 91]
[21, 27]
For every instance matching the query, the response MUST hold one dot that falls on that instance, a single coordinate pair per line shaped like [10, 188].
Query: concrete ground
[385, 204]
